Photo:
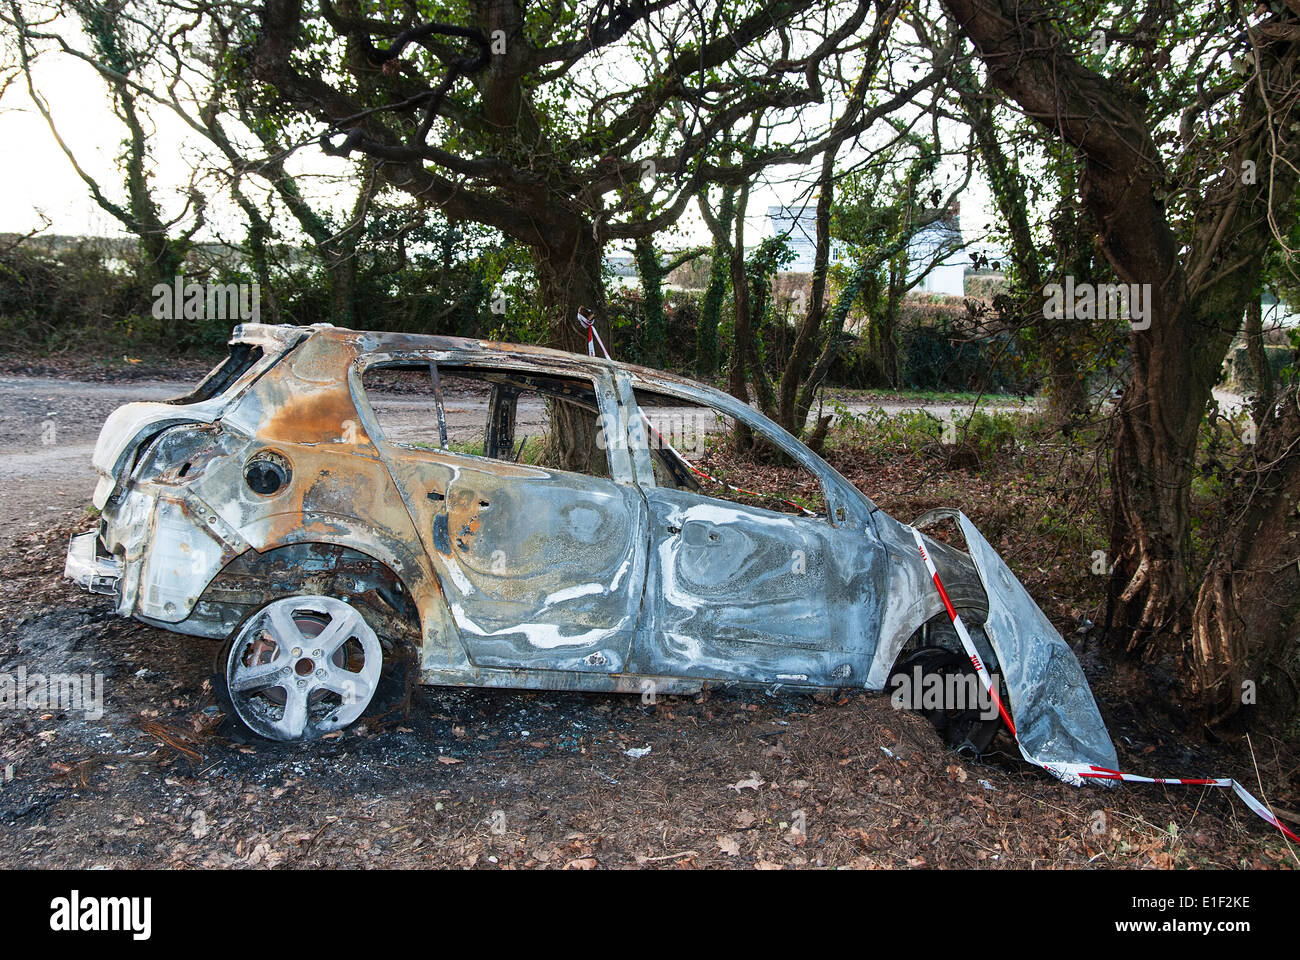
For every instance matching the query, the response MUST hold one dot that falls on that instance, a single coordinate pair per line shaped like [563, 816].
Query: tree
[123, 46]
[1056, 345]
[498, 116]
[653, 269]
[706, 333]
[1189, 184]
[882, 209]
[871, 96]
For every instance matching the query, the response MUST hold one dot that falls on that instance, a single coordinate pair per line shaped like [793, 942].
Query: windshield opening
[241, 359]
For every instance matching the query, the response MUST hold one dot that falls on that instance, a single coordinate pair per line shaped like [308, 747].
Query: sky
[80, 103]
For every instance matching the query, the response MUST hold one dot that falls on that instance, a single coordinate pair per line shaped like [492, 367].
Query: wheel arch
[912, 599]
[438, 638]
[388, 581]
[899, 627]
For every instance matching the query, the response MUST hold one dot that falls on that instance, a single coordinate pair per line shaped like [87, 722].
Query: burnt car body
[268, 509]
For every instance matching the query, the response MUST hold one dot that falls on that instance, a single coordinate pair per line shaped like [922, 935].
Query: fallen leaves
[876, 787]
[263, 855]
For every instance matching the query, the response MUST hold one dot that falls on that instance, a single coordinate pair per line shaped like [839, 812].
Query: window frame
[618, 458]
[629, 385]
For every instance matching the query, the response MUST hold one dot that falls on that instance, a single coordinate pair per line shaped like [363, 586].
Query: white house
[941, 239]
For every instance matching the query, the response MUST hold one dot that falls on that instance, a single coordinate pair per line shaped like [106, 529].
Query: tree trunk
[651, 271]
[706, 334]
[1260, 368]
[1198, 283]
[1151, 468]
[741, 329]
[858, 280]
[162, 256]
[1066, 392]
[569, 278]
[883, 340]
[810, 327]
[1247, 616]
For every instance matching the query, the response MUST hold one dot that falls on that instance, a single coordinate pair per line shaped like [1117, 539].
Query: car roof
[372, 341]
[281, 336]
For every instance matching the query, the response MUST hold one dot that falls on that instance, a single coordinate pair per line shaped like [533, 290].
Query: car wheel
[299, 668]
[965, 726]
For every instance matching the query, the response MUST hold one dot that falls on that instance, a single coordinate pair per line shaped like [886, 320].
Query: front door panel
[745, 593]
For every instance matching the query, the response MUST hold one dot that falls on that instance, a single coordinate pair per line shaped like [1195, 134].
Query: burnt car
[328, 501]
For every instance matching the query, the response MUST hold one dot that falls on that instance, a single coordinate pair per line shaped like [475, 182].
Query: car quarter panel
[177, 532]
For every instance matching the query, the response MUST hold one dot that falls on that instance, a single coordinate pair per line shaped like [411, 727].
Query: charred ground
[458, 778]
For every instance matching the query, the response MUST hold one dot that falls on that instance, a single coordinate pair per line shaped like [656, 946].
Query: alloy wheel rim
[302, 667]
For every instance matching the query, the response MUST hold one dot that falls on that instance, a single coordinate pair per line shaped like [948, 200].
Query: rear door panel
[542, 569]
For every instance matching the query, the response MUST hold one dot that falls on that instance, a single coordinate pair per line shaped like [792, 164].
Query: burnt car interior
[693, 447]
[519, 409]
[241, 359]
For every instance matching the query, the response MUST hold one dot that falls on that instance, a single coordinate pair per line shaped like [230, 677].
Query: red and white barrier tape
[590, 325]
[1084, 771]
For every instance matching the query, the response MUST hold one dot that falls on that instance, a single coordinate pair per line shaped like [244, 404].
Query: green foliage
[933, 358]
[882, 433]
[426, 276]
[628, 328]
[78, 297]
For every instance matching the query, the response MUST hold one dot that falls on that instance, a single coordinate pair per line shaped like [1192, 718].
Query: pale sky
[80, 104]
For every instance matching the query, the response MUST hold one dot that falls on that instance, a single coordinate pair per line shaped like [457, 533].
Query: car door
[542, 568]
[742, 592]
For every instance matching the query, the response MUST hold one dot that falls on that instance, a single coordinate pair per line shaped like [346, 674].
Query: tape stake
[1078, 772]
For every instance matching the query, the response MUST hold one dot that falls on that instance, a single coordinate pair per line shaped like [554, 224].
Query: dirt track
[48, 429]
